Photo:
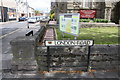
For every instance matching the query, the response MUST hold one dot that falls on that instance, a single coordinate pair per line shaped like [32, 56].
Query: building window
[11, 13]
[87, 3]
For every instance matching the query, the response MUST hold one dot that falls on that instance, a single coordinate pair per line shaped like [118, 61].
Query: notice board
[69, 23]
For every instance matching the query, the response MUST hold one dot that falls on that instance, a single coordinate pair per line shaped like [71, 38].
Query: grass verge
[102, 35]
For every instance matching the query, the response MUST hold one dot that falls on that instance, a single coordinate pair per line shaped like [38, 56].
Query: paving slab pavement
[34, 74]
[1, 23]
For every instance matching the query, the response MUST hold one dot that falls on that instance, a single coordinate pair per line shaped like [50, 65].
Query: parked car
[32, 20]
[47, 18]
[22, 18]
[41, 18]
[38, 18]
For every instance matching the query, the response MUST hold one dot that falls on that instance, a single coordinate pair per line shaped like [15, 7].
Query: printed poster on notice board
[69, 23]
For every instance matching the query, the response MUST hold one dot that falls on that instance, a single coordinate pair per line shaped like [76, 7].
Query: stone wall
[105, 10]
[23, 49]
[115, 15]
[102, 57]
[100, 7]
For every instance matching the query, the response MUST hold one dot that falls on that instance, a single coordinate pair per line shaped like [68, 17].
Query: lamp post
[27, 13]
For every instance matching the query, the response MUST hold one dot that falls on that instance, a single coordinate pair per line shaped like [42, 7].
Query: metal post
[88, 58]
[8, 14]
[48, 58]
[27, 13]
[39, 21]
[27, 24]
[75, 38]
[63, 34]
[2, 11]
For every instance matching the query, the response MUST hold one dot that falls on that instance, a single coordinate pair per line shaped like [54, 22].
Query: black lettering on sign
[68, 16]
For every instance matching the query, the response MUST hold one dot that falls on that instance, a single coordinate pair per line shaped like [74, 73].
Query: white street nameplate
[69, 42]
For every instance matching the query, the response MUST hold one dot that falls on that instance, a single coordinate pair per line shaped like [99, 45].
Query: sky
[42, 5]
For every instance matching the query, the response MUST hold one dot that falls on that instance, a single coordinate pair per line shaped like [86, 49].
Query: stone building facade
[31, 11]
[115, 12]
[59, 7]
[7, 10]
[13, 9]
[106, 9]
[23, 9]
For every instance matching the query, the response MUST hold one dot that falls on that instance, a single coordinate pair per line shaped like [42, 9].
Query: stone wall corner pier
[23, 48]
